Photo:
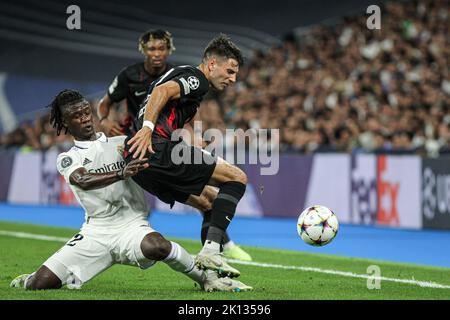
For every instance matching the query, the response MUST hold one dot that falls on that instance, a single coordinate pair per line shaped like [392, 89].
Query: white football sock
[210, 247]
[180, 260]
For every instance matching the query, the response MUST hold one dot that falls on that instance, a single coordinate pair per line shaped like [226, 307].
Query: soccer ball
[317, 225]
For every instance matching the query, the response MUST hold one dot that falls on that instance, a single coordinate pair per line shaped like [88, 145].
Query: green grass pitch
[21, 255]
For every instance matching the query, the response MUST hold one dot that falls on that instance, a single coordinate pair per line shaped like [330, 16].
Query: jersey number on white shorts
[74, 240]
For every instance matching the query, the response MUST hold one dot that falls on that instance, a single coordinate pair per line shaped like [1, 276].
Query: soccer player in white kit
[116, 227]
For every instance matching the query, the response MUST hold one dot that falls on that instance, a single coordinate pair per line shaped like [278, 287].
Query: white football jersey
[117, 203]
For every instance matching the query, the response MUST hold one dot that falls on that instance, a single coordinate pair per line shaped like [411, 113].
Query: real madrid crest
[66, 162]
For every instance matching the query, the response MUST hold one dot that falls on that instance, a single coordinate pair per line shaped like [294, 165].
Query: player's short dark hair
[159, 34]
[223, 47]
[62, 100]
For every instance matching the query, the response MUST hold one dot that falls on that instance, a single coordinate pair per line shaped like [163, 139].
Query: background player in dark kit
[132, 82]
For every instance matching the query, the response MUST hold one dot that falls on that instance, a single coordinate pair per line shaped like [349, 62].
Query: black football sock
[205, 225]
[226, 238]
[215, 234]
[224, 208]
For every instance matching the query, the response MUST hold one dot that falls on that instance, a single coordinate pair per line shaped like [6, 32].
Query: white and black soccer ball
[317, 225]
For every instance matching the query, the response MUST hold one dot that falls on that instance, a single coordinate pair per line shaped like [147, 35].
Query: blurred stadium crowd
[337, 88]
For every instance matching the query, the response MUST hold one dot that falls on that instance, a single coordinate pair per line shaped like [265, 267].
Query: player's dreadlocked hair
[159, 34]
[64, 98]
[223, 47]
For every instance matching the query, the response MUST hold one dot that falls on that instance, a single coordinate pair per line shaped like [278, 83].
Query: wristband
[148, 123]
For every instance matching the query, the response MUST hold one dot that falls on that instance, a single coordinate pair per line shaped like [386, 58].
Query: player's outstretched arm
[141, 142]
[89, 181]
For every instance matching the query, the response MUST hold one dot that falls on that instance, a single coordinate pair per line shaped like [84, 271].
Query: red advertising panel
[398, 191]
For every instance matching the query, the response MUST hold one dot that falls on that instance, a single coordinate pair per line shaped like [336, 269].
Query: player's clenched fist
[133, 167]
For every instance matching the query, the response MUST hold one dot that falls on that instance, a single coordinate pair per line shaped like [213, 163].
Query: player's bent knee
[155, 247]
[244, 178]
[240, 177]
[234, 173]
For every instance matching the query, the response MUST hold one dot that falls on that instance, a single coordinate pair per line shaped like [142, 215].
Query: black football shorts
[170, 181]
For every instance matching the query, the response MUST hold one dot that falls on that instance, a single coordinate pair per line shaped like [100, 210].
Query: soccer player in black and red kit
[132, 84]
[172, 102]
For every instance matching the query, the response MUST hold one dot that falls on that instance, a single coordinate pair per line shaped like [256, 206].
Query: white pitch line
[32, 236]
[423, 284]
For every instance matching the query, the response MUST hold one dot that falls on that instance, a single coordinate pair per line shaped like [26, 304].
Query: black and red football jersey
[176, 113]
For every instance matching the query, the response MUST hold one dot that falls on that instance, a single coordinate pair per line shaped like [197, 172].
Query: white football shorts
[95, 249]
